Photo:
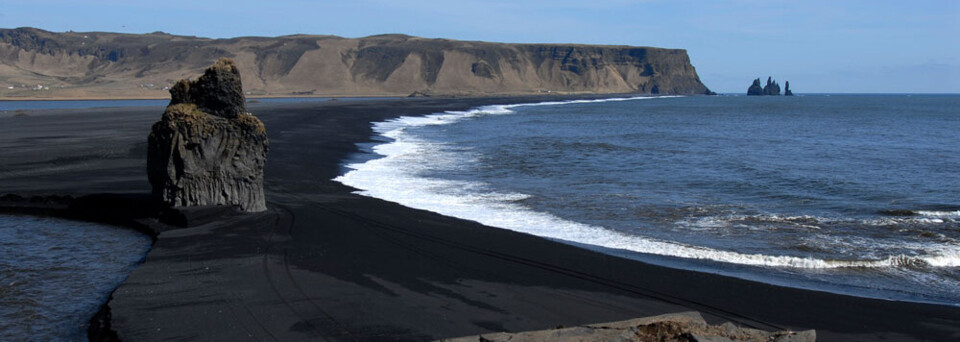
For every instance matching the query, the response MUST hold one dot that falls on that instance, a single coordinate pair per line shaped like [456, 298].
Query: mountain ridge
[38, 63]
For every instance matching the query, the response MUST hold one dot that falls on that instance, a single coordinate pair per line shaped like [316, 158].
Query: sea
[55, 274]
[850, 194]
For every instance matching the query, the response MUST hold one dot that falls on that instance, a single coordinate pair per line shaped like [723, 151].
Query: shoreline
[333, 264]
[368, 174]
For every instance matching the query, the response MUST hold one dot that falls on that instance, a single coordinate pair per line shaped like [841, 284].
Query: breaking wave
[395, 177]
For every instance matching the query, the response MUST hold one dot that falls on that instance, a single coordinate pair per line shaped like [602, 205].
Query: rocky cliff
[111, 65]
[206, 149]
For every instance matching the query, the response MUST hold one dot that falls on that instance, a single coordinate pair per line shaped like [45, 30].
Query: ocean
[55, 274]
[851, 194]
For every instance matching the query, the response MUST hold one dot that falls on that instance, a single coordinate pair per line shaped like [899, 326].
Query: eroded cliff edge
[207, 150]
[112, 64]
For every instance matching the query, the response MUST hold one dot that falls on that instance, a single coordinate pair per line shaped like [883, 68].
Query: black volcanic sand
[325, 264]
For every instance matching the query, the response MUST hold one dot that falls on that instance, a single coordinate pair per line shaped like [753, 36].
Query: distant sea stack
[112, 64]
[207, 150]
[771, 88]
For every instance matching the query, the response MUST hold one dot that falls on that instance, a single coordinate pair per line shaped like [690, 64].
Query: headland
[78, 65]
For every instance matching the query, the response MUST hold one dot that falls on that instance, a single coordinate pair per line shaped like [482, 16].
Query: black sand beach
[325, 264]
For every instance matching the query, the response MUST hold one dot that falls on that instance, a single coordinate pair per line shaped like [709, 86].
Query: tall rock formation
[786, 89]
[755, 88]
[771, 88]
[206, 149]
[113, 64]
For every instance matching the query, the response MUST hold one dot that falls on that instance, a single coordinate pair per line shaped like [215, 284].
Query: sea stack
[755, 88]
[207, 150]
[772, 88]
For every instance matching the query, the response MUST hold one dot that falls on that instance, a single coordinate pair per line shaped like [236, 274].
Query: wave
[394, 177]
[816, 222]
[940, 214]
[950, 214]
[395, 127]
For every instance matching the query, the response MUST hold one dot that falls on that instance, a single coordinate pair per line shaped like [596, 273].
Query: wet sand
[325, 264]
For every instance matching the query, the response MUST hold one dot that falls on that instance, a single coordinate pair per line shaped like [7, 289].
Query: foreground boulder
[686, 327]
[207, 150]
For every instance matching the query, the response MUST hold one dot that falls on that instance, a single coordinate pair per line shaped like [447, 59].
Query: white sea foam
[940, 214]
[394, 177]
[811, 222]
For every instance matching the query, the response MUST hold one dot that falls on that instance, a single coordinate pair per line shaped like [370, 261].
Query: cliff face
[206, 150]
[105, 64]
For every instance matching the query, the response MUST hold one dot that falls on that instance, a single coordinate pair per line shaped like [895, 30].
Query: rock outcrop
[786, 89]
[112, 64]
[207, 150]
[771, 88]
[685, 327]
[755, 89]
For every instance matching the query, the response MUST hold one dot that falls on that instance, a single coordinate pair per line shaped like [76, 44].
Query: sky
[834, 46]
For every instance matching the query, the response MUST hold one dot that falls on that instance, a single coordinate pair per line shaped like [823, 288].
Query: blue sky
[819, 46]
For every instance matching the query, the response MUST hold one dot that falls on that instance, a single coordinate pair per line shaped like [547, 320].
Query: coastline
[326, 263]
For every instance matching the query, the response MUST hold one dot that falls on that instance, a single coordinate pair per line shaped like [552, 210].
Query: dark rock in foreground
[688, 326]
[218, 92]
[206, 150]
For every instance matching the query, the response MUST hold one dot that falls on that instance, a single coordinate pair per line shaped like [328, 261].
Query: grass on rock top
[190, 115]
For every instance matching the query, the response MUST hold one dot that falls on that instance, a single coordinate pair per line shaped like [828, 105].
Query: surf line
[391, 178]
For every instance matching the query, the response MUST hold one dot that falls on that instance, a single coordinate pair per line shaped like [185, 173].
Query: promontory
[42, 64]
